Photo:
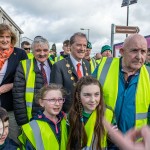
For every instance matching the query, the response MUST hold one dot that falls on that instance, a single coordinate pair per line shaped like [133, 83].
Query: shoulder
[20, 52]
[11, 145]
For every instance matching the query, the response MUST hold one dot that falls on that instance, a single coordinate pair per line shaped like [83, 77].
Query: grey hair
[39, 40]
[80, 34]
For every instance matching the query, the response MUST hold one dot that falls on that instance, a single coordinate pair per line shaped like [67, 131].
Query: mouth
[56, 109]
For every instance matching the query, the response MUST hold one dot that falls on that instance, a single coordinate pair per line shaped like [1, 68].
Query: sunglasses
[26, 49]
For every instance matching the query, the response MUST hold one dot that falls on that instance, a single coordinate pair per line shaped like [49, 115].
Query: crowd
[73, 101]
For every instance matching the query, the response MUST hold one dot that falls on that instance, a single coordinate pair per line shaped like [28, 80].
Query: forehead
[90, 88]
[79, 39]
[136, 43]
[53, 93]
[40, 46]
[5, 33]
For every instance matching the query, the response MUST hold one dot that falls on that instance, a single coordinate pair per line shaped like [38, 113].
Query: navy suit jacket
[6, 99]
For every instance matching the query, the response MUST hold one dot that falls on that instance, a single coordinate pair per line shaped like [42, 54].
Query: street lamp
[127, 3]
[87, 30]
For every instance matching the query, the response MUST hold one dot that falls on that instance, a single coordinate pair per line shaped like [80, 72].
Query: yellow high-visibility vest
[108, 73]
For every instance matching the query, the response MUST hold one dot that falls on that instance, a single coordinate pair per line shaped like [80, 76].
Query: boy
[5, 142]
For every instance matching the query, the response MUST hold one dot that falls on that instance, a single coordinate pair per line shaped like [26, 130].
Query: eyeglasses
[26, 49]
[39, 50]
[53, 100]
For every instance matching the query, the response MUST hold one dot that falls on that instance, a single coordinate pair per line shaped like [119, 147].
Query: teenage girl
[86, 129]
[47, 130]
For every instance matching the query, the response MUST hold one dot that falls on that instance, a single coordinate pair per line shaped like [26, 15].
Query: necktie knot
[78, 65]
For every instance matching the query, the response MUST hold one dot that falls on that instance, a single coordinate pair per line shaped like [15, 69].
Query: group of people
[74, 101]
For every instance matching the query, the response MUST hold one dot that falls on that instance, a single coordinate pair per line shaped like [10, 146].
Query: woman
[10, 57]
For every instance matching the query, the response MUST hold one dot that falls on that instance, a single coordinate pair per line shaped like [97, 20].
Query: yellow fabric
[30, 83]
[89, 128]
[111, 92]
[48, 137]
[30, 55]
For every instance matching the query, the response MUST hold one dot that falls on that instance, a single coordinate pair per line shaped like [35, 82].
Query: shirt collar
[45, 63]
[74, 61]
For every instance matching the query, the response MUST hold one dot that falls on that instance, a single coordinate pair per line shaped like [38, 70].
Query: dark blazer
[61, 74]
[19, 89]
[6, 99]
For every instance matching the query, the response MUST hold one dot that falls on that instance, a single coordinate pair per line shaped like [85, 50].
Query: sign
[127, 29]
[125, 2]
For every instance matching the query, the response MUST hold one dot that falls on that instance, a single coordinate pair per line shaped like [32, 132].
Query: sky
[58, 20]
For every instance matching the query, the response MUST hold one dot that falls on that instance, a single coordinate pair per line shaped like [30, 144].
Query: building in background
[4, 18]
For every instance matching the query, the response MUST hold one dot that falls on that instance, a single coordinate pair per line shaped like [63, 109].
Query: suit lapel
[72, 66]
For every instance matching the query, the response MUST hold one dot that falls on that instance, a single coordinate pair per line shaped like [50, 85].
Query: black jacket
[13, 61]
[19, 93]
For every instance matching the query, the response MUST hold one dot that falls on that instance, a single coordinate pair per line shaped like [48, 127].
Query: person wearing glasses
[31, 75]
[25, 45]
[47, 129]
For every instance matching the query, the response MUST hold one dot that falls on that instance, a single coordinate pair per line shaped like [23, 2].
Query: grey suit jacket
[61, 74]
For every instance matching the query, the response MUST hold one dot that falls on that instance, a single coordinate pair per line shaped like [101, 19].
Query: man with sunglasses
[25, 45]
[31, 75]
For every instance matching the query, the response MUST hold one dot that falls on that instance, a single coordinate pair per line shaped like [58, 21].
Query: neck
[51, 117]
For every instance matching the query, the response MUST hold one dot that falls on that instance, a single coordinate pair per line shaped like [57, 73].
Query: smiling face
[90, 97]
[5, 41]
[51, 110]
[78, 48]
[5, 132]
[134, 53]
[41, 51]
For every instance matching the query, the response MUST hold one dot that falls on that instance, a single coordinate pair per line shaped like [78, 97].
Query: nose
[57, 102]
[92, 98]
[139, 55]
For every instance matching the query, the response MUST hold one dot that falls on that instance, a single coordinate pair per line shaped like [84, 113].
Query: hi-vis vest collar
[108, 75]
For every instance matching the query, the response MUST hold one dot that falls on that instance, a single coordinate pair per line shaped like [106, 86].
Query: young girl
[47, 130]
[86, 129]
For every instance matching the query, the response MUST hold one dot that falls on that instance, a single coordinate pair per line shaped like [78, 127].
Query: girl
[86, 129]
[47, 130]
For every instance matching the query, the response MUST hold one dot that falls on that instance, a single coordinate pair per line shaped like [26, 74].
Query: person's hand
[129, 140]
[5, 88]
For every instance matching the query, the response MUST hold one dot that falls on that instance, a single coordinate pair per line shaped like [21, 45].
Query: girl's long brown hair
[77, 134]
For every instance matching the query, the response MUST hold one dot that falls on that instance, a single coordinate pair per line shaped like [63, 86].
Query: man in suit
[67, 71]
[10, 57]
[31, 75]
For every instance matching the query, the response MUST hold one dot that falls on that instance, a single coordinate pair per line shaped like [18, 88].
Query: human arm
[19, 96]
[6, 88]
[129, 140]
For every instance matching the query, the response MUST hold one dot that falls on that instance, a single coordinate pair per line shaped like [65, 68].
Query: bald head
[133, 53]
[134, 38]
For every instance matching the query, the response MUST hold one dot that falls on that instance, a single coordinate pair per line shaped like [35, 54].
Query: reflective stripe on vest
[58, 58]
[41, 136]
[37, 135]
[28, 67]
[108, 72]
[89, 128]
[92, 64]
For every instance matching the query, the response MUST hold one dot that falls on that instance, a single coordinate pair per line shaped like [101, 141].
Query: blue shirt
[125, 104]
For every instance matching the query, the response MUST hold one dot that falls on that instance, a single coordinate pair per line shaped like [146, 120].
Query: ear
[41, 102]
[121, 51]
